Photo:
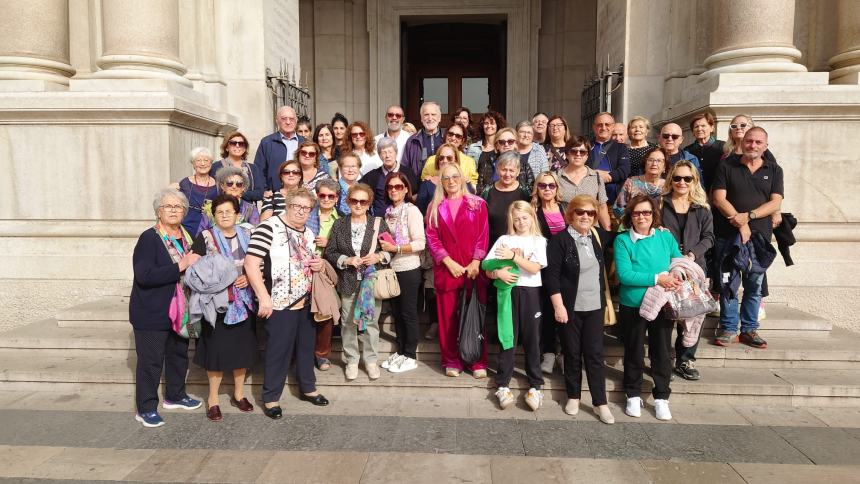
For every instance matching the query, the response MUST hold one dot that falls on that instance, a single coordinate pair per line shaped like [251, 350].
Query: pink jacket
[656, 297]
[464, 239]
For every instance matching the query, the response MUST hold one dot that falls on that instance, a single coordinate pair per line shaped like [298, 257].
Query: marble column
[701, 38]
[751, 37]
[846, 63]
[34, 41]
[140, 40]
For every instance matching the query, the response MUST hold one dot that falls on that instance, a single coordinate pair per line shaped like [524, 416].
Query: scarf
[364, 309]
[504, 303]
[240, 299]
[178, 311]
[396, 218]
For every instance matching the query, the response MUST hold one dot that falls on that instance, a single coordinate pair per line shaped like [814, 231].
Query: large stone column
[140, 40]
[753, 37]
[846, 64]
[34, 42]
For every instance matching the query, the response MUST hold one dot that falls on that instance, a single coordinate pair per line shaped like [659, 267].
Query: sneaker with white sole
[547, 363]
[634, 407]
[404, 363]
[351, 371]
[390, 360]
[150, 419]
[534, 399]
[661, 408]
[372, 370]
[187, 403]
[506, 398]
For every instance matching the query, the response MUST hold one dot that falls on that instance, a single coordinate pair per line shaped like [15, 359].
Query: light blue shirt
[292, 144]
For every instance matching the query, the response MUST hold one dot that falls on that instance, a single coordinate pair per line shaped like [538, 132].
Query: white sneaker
[404, 363]
[391, 359]
[634, 407]
[662, 409]
[547, 363]
[372, 370]
[572, 406]
[534, 399]
[351, 371]
[506, 398]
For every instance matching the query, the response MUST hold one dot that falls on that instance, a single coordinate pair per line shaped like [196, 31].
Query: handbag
[471, 337]
[385, 283]
[609, 318]
[689, 299]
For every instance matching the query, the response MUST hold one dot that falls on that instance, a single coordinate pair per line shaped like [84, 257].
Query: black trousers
[683, 354]
[290, 333]
[659, 351]
[526, 309]
[549, 329]
[157, 350]
[405, 310]
[582, 341]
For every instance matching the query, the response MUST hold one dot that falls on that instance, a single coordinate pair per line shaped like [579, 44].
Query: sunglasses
[291, 172]
[327, 196]
[359, 203]
[454, 135]
[577, 151]
[394, 115]
[451, 178]
[357, 135]
[308, 153]
[642, 213]
[678, 178]
[670, 136]
[396, 188]
[738, 126]
[581, 211]
[231, 184]
[240, 144]
[547, 186]
[505, 142]
[445, 157]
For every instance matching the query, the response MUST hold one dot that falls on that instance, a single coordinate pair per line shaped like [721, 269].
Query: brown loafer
[244, 405]
[214, 413]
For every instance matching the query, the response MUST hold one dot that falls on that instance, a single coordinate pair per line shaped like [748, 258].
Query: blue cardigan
[155, 278]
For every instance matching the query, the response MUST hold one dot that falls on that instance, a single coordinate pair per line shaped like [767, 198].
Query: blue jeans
[744, 312]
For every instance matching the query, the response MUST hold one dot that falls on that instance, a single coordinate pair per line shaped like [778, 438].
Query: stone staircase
[807, 363]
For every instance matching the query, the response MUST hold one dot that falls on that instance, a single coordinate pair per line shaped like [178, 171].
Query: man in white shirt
[394, 122]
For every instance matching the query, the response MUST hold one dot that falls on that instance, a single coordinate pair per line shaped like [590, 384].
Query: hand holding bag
[471, 339]
[385, 283]
[689, 299]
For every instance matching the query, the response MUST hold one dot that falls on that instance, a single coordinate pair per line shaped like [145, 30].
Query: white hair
[168, 192]
[200, 150]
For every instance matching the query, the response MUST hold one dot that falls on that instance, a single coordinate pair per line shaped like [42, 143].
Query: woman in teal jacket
[642, 256]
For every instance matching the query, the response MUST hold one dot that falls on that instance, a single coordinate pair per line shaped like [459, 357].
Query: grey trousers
[350, 337]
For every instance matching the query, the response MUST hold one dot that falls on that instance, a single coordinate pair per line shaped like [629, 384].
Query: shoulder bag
[609, 318]
[385, 284]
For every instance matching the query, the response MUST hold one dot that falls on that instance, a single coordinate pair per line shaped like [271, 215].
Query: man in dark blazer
[609, 158]
[278, 147]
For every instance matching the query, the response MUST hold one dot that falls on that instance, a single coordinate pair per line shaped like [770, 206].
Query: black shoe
[273, 413]
[687, 371]
[317, 400]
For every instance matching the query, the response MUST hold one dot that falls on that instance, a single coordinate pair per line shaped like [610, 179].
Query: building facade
[101, 101]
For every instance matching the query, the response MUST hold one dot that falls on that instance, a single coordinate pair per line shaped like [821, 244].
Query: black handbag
[471, 339]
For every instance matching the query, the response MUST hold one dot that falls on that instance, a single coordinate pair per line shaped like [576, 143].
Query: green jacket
[504, 316]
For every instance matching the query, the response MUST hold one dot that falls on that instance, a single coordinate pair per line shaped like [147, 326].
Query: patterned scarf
[397, 221]
[240, 299]
[178, 311]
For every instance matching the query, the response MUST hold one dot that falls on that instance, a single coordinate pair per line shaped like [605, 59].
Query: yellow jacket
[467, 166]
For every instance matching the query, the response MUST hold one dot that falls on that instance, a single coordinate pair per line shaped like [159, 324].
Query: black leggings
[405, 309]
[582, 340]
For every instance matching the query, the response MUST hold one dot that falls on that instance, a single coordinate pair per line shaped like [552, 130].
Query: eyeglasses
[308, 153]
[225, 213]
[359, 203]
[678, 178]
[202, 161]
[603, 125]
[451, 178]
[670, 136]
[454, 135]
[445, 157]
[738, 126]
[240, 144]
[577, 151]
[291, 172]
[234, 183]
[327, 196]
[582, 211]
[394, 115]
[505, 142]
[300, 208]
[642, 213]
[547, 186]
[172, 208]
[556, 125]
[396, 188]
[655, 161]
[357, 135]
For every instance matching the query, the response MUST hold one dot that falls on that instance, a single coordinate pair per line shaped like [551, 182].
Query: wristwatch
[752, 215]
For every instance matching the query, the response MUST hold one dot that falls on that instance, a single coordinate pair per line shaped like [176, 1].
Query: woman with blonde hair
[637, 132]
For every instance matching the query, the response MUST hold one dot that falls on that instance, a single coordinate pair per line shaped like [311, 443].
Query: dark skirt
[227, 347]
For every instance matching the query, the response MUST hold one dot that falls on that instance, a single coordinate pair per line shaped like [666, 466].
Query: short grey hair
[427, 104]
[168, 192]
[226, 172]
[328, 183]
[299, 192]
[201, 150]
[523, 124]
[508, 158]
[386, 142]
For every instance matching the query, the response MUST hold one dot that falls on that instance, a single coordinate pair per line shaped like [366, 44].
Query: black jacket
[698, 234]
[561, 275]
[544, 227]
[340, 243]
[785, 237]
[155, 278]
[709, 157]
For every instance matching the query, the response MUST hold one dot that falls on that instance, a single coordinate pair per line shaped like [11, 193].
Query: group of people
[539, 224]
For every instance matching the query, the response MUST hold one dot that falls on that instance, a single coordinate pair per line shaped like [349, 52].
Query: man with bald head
[619, 133]
[609, 158]
[671, 139]
[278, 147]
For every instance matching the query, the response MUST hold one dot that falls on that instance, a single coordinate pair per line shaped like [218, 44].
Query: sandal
[323, 364]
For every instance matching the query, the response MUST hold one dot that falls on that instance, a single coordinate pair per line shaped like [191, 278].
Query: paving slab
[231, 466]
[769, 416]
[837, 417]
[86, 429]
[236, 431]
[427, 468]
[675, 472]
[170, 465]
[831, 383]
[589, 440]
[823, 446]
[796, 474]
[91, 464]
[314, 467]
[19, 461]
[707, 415]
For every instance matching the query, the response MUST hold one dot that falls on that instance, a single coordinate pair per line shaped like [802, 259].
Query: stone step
[727, 385]
[840, 350]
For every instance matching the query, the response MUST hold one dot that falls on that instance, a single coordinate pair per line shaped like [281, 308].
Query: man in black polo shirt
[747, 190]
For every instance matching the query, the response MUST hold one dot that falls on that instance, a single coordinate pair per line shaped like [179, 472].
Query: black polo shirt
[746, 191]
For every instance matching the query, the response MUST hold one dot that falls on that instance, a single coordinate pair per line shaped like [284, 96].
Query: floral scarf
[241, 300]
[364, 309]
[396, 218]
[178, 311]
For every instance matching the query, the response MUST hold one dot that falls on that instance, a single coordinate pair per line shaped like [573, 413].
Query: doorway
[454, 64]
